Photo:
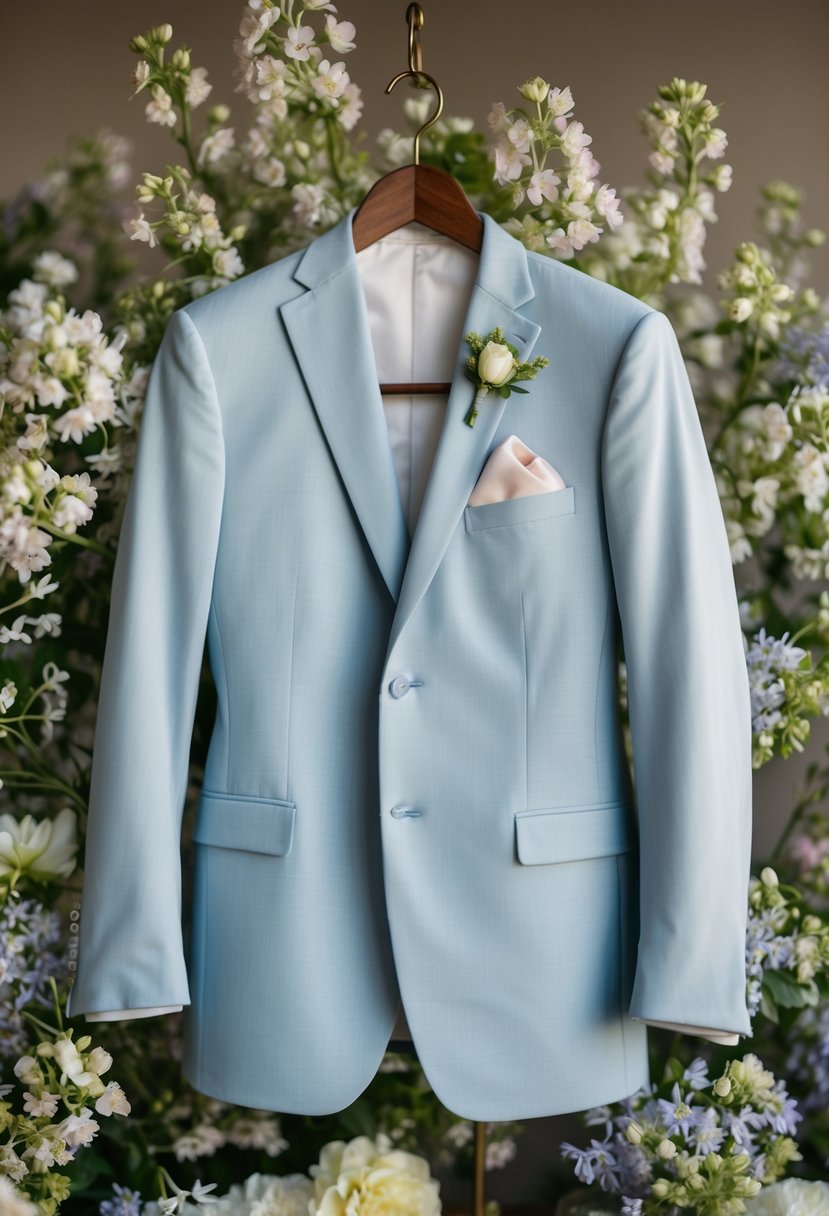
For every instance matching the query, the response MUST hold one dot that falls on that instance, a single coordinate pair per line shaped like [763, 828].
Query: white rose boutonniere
[493, 366]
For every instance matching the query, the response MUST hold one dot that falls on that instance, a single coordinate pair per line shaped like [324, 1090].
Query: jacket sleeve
[688, 691]
[130, 947]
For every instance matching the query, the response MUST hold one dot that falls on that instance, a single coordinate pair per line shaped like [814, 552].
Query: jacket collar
[328, 327]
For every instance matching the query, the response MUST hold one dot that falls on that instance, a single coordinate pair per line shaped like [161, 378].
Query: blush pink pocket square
[512, 470]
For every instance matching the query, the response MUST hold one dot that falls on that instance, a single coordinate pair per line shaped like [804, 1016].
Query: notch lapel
[328, 327]
[329, 330]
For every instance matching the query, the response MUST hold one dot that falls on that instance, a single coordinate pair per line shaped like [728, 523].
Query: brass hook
[415, 19]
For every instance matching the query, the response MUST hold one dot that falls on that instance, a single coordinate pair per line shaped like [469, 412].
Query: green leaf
[515, 389]
[787, 993]
[768, 1007]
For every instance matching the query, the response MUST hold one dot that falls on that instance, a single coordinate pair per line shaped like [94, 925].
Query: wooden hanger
[417, 192]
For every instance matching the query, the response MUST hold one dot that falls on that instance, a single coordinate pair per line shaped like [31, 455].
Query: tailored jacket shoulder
[416, 788]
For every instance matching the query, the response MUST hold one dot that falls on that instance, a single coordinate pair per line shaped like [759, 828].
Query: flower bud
[180, 58]
[660, 1187]
[302, 149]
[138, 44]
[814, 237]
[158, 289]
[811, 924]
[768, 877]
[535, 89]
[496, 364]
[634, 1132]
[781, 292]
[53, 309]
[722, 1087]
[666, 1149]
[218, 114]
[741, 309]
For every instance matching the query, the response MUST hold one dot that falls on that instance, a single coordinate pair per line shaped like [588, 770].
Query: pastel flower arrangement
[76, 344]
[701, 1144]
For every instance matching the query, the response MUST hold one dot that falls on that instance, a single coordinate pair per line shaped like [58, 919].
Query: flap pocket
[243, 821]
[573, 833]
[521, 509]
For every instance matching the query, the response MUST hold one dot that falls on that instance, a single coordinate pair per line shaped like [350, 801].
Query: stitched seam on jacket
[223, 665]
[526, 702]
[200, 1013]
[290, 686]
[621, 891]
[596, 694]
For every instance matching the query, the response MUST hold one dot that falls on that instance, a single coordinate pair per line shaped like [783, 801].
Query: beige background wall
[66, 68]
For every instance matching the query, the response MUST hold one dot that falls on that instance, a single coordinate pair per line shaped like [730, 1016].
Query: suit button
[401, 811]
[399, 686]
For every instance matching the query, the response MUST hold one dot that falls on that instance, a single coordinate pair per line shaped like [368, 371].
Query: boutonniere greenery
[493, 366]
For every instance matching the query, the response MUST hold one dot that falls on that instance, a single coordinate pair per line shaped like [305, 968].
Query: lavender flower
[125, 1203]
[804, 355]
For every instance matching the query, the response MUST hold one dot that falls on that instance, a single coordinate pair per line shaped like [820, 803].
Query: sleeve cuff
[728, 1037]
[114, 1015]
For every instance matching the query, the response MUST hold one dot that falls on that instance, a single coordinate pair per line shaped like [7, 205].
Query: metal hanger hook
[415, 19]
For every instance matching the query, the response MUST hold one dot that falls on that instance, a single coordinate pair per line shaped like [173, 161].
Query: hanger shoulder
[424, 193]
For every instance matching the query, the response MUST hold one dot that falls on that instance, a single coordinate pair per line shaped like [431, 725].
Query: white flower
[227, 263]
[519, 133]
[560, 102]
[140, 75]
[509, 162]
[113, 1101]
[160, 109]
[582, 232]
[43, 850]
[139, 230]
[78, 1129]
[12, 1202]
[574, 138]
[497, 117]
[607, 205]
[50, 267]
[716, 142]
[349, 113]
[367, 1176]
[270, 80]
[300, 38]
[792, 1197]
[44, 1104]
[75, 424]
[216, 146]
[330, 81]
[308, 198]
[496, 364]
[543, 184]
[201, 1141]
[198, 89]
[269, 171]
[340, 33]
[23, 545]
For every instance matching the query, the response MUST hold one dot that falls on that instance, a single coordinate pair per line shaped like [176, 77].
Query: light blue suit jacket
[416, 782]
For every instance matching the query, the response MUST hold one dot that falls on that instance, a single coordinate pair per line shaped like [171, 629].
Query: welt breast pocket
[525, 509]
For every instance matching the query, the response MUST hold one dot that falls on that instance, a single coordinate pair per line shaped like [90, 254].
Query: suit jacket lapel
[329, 329]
